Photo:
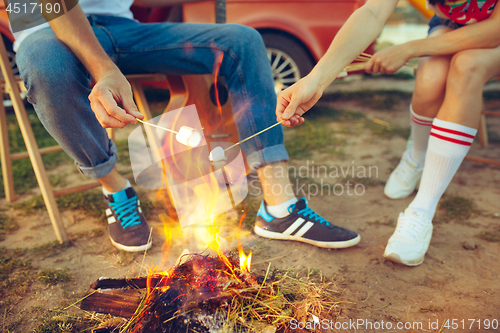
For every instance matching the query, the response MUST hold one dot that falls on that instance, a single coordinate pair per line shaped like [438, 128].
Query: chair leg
[31, 146]
[8, 179]
[111, 133]
[39, 168]
[482, 132]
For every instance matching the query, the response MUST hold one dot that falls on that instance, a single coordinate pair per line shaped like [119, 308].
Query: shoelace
[122, 208]
[309, 213]
[410, 226]
[406, 172]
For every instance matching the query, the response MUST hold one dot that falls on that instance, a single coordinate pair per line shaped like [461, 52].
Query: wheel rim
[285, 69]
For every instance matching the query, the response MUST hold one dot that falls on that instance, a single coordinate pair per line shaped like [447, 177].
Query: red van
[296, 32]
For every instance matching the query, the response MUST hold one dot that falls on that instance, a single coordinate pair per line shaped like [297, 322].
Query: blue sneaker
[303, 225]
[127, 225]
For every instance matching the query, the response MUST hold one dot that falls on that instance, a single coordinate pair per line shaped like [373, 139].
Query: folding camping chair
[13, 86]
[215, 113]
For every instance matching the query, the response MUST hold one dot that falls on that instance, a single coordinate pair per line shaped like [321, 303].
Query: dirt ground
[456, 285]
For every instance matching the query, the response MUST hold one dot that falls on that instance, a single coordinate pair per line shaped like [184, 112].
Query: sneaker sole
[329, 245]
[131, 248]
[396, 258]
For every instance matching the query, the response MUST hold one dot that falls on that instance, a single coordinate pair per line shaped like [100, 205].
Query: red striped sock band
[453, 136]
[420, 121]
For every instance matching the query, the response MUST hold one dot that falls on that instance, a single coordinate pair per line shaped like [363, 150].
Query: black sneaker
[127, 226]
[303, 225]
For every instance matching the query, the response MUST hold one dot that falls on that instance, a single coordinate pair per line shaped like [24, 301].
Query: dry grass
[241, 302]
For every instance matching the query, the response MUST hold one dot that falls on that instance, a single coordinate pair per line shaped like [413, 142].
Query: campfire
[203, 293]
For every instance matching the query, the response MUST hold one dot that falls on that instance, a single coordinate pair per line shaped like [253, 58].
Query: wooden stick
[163, 128]
[240, 142]
[482, 160]
[367, 56]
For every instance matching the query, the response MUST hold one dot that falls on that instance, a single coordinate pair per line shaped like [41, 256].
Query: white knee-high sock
[448, 145]
[420, 130]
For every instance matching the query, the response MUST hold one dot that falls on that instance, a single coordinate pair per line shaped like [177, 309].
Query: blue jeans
[436, 23]
[58, 84]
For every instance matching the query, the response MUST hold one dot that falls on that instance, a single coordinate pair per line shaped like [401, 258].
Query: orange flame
[216, 68]
[245, 261]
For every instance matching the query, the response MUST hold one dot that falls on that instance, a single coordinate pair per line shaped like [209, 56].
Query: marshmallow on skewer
[217, 154]
[188, 136]
[342, 74]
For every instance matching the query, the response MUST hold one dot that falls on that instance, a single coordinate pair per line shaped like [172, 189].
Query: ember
[212, 294]
[194, 295]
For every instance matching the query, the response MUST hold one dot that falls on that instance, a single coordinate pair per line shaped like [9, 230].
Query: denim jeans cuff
[268, 155]
[103, 168]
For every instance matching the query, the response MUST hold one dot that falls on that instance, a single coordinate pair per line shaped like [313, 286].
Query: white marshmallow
[188, 136]
[217, 154]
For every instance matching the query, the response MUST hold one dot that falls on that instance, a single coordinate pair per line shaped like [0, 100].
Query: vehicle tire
[7, 103]
[11, 54]
[289, 59]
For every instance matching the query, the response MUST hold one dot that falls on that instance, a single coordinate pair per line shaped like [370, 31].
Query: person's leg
[452, 133]
[58, 87]
[237, 53]
[455, 126]
[428, 95]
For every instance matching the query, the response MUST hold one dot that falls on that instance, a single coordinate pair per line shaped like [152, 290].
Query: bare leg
[469, 71]
[430, 82]
[113, 181]
[275, 183]
[452, 133]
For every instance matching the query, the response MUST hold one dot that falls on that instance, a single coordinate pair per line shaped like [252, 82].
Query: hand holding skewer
[186, 135]
[362, 59]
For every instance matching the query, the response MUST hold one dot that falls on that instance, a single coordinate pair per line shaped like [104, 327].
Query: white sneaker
[403, 180]
[411, 239]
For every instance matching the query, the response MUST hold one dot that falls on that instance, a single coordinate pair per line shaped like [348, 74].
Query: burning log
[210, 294]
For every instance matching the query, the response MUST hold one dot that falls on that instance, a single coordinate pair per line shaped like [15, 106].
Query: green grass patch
[251, 207]
[54, 276]
[123, 152]
[23, 174]
[490, 236]
[7, 225]
[87, 234]
[314, 135]
[386, 131]
[16, 275]
[50, 249]
[325, 111]
[375, 99]
[11, 260]
[457, 209]
[91, 202]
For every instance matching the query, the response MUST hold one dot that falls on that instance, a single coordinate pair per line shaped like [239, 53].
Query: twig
[383, 306]
[145, 251]
[92, 293]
